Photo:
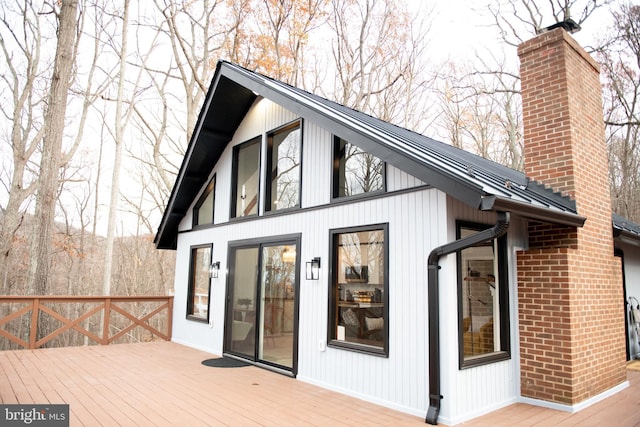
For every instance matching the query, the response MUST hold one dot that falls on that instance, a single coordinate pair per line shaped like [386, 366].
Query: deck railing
[104, 319]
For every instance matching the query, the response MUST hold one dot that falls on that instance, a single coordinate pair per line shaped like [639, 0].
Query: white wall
[631, 258]
[419, 219]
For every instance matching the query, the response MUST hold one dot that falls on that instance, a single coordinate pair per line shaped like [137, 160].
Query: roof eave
[203, 140]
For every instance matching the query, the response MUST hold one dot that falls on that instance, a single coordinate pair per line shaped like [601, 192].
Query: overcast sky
[462, 27]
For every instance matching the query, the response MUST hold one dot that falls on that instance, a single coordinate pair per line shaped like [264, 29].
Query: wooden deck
[163, 383]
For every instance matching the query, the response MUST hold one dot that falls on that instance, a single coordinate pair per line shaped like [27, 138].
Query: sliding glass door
[262, 303]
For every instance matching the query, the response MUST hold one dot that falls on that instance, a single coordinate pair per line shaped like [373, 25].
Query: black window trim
[297, 123]
[333, 277]
[335, 179]
[210, 188]
[505, 321]
[234, 178]
[190, 284]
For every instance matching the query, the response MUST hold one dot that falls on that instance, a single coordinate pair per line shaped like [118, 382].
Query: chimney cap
[569, 25]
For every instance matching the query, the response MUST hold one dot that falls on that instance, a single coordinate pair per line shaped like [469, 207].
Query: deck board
[165, 384]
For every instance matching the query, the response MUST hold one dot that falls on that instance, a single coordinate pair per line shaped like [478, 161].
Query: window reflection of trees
[360, 172]
[199, 291]
[286, 171]
[278, 286]
[279, 271]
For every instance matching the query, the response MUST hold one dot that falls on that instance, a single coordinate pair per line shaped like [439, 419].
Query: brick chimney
[570, 299]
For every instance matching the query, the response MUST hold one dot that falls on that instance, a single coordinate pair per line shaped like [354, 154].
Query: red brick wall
[543, 235]
[570, 301]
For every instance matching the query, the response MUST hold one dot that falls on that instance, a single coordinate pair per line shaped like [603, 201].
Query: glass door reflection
[277, 303]
[242, 302]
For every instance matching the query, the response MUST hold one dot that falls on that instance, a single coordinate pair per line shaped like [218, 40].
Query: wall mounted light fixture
[214, 270]
[313, 269]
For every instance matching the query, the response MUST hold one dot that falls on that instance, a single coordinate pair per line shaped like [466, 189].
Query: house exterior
[325, 244]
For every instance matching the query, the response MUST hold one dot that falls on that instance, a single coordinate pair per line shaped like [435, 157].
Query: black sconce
[214, 270]
[313, 269]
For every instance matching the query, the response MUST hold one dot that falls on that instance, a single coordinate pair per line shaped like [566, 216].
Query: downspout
[434, 310]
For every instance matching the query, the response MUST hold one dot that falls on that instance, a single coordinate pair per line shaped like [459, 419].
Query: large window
[199, 289]
[246, 178]
[358, 300]
[482, 300]
[283, 173]
[203, 209]
[355, 171]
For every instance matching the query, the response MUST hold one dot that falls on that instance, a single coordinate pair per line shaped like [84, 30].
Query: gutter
[434, 310]
[627, 237]
[531, 211]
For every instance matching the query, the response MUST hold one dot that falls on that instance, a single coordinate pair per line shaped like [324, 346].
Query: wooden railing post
[105, 323]
[33, 330]
[169, 318]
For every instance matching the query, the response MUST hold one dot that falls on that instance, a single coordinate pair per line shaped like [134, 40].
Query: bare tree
[283, 33]
[120, 125]
[620, 67]
[194, 38]
[21, 43]
[481, 111]
[378, 56]
[519, 20]
[54, 122]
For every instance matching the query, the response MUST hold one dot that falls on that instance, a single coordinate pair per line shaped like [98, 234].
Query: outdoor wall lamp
[313, 269]
[214, 270]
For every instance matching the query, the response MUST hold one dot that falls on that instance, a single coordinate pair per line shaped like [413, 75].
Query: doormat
[225, 362]
[633, 365]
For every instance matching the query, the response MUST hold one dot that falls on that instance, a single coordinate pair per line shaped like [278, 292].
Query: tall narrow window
[283, 175]
[355, 171]
[203, 209]
[482, 300]
[199, 290]
[358, 300]
[246, 174]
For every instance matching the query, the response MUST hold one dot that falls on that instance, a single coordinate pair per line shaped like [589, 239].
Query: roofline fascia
[541, 213]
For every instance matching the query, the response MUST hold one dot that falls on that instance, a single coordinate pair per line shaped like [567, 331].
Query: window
[199, 290]
[483, 309]
[355, 171]
[203, 210]
[283, 174]
[246, 178]
[358, 300]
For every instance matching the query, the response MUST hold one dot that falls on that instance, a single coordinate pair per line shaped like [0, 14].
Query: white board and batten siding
[418, 221]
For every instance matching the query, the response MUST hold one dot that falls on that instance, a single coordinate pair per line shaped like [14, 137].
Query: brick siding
[570, 299]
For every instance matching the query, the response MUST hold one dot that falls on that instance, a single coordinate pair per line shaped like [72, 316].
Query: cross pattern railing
[105, 306]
